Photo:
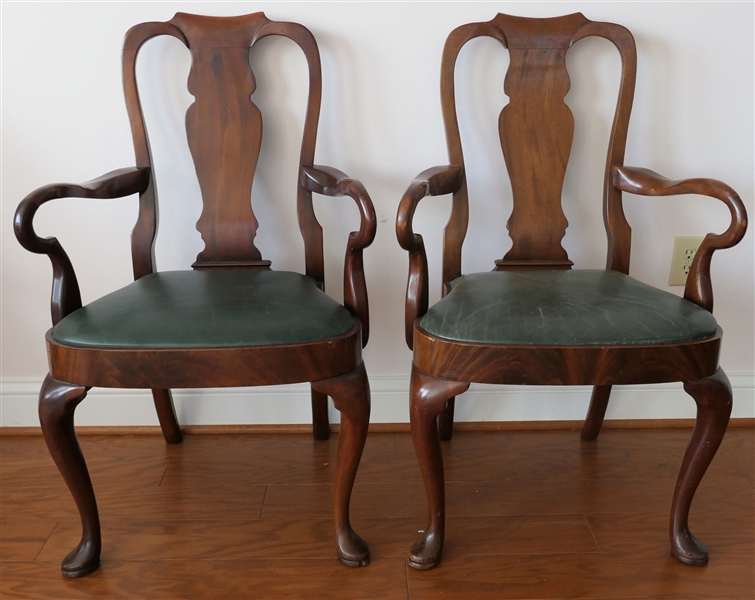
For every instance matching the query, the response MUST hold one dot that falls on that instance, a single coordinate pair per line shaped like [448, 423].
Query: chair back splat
[536, 130]
[224, 130]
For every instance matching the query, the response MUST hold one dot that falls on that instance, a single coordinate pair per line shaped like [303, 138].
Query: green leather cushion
[585, 307]
[208, 308]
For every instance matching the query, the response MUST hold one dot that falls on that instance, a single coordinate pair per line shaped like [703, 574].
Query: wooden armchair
[534, 320]
[231, 321]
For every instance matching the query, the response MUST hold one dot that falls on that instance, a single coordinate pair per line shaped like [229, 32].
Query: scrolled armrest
[436, 181]
[332, 182]
[65, 288]
[648, 183]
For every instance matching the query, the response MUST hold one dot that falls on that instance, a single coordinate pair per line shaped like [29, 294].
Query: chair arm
[332, 182]
[432, 182]
[65, 288]
[648, 183]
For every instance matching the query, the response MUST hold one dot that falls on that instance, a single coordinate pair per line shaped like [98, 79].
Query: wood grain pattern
[556, 537]
[312, 538]
[224, 128]
[205, 367]
[220, 579]
[22, 540]
[179, 501]
[536, 84]
[565, 365]
[613, 532]
[602, 575]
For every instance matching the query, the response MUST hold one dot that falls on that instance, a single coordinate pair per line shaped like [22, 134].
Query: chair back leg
[57, 403]
[320, 424]
[166, 414]
[713, 397]
[597, 412]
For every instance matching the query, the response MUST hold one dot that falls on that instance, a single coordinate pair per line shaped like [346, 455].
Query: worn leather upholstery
[208, 308]
[555, 307]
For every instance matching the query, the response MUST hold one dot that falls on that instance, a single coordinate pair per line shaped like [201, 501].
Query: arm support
[647, 183]
[65, 288]
[332, 182]
[432, 182]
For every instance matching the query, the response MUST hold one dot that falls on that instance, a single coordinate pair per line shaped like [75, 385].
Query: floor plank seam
[592, 533]
[45, 542]
[229, 559]
[538, 553]
[262, 506]
[165, 473]
[633, 464]
[406, 575]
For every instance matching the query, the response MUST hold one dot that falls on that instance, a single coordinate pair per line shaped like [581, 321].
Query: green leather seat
[585, 307]
[205, 308]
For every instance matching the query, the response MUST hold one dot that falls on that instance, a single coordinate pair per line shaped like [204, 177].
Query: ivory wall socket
[685, 249]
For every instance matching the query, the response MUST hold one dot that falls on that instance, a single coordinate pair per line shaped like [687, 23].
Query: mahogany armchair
[534, 320]
[231, 321]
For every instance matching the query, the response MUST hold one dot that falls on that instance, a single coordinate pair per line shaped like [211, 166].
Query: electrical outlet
[685, 248]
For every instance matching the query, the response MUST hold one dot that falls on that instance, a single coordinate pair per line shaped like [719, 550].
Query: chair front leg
[597, 412]
[351, 396]
[428, 400]
[320, 423]
[166, 414]
[57, 403]
[713, 397]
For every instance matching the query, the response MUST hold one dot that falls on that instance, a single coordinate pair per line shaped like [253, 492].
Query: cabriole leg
[713, 398]
[596, 412]
[57, 403]
[351, 396]
[320, 424]
[166, 414]
[428, 399]
[446, 421]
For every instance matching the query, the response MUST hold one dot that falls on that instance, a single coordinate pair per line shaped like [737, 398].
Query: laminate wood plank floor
[531, 514]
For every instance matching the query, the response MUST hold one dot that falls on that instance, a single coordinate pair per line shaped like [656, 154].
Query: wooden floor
[532, 514]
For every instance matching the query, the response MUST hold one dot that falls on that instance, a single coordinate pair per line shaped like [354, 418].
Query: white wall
[64, 119]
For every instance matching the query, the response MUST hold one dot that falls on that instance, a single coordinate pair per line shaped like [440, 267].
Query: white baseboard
[287, 404]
